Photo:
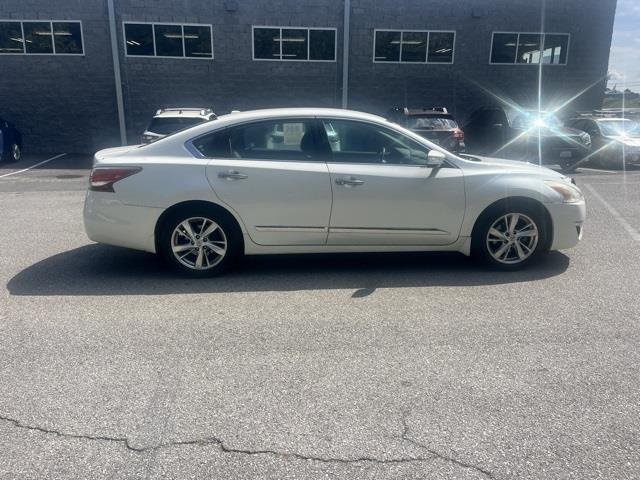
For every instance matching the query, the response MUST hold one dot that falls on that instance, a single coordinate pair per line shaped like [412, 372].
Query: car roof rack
[203, 111]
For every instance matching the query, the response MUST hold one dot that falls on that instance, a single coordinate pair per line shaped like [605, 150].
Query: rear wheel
[13, 153]
[199, 242]
[509, 237]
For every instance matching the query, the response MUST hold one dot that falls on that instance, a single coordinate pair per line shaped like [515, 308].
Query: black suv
[10, 142]
[523, 135]
[434, 124]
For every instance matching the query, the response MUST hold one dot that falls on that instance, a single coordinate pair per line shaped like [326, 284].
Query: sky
[624, 62]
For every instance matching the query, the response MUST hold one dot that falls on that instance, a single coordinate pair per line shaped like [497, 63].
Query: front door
[383, 193]
[269, 173]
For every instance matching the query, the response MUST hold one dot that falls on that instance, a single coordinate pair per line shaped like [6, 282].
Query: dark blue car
[10, 142]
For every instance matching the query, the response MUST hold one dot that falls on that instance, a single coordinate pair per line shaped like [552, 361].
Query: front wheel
[509, 238]
[199, 242]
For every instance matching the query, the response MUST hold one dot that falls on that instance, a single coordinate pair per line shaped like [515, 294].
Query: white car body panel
[296, 207]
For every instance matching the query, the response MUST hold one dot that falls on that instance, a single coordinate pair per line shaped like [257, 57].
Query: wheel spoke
[215, 248]
[514, 221]
[521, 254]
[212, 228]
[182, 248]
[528, 233]
[200, 258]
[501, 251]
[186, 225]
[497, 234]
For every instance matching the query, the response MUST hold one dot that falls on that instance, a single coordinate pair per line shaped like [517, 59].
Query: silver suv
[170, 120]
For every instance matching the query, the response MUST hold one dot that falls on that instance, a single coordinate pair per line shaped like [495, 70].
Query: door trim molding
[389, 231]
[269, 228]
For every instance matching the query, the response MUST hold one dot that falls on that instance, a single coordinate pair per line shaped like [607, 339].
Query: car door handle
[233, 175]
[349, 182]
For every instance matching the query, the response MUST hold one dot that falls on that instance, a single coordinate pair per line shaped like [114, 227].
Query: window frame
[289, 27]
[53, 39]
[543, 35]
[330, 154]
[315, 128]
[153, 36]
[402, 32]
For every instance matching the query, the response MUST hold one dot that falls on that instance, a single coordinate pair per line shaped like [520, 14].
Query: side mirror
[435, 159]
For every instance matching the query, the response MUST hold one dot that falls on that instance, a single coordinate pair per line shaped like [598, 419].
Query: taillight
[459, 134]
[103, 178]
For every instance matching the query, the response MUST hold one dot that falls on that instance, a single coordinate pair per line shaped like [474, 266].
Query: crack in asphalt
[219, 443]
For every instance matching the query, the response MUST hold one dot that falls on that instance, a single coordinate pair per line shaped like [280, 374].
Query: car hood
[554, 132]
[514, 166]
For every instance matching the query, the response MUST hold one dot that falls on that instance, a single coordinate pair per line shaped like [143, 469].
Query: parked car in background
[205, 196]
[529, 135]
[615, 141]
[10, 142]
[434, 124]
[170, 120]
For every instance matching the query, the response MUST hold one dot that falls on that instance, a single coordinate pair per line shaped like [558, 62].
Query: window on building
[413, 46]
[529, 48]
[168, 40]
[306, 44]
[41, 37]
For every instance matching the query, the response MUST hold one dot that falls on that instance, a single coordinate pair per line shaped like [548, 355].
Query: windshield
[168, 125]
[432, 123]
[529, 120]
[620, 127]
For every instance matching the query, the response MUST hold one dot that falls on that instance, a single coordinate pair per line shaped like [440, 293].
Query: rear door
[383, 193]
[270, 174]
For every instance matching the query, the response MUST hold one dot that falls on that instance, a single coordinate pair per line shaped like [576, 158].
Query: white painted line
[598, 170]
[630, 230]
[33, 166]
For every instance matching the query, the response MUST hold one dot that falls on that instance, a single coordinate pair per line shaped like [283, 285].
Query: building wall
[68, 103]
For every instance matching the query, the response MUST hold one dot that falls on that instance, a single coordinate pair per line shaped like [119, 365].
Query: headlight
[570, 193]
[585, 138]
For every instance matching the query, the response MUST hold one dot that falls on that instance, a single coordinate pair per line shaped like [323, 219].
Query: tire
[198, 253]
[509, 248]
[13, 153]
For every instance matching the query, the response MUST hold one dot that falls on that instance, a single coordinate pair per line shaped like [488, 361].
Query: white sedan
[322, 180]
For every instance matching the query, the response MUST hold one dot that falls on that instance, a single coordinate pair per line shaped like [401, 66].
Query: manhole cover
[65, 177]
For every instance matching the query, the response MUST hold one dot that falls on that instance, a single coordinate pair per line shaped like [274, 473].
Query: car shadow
[104, 270]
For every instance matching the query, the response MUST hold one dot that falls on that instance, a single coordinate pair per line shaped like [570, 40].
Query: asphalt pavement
[416, 366]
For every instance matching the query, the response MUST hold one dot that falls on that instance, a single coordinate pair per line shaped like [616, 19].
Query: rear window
[168, 125]
[432, 123]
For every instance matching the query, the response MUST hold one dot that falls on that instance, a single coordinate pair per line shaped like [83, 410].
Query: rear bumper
[108, 220]
[568, 221]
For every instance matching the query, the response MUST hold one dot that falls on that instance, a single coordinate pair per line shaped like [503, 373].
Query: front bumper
[568, 222]
[108, 220]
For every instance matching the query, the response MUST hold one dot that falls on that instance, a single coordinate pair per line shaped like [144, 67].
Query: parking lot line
[632, 231]
[33, 166]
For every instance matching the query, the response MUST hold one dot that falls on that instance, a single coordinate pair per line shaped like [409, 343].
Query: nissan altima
[322, 180]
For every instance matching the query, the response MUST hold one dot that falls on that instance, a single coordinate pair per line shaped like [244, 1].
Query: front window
[358, 142]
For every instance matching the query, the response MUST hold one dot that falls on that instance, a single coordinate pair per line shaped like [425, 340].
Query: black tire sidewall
[478, 242]
[231, 231]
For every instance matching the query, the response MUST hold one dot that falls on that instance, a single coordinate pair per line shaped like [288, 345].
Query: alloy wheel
[512, 238]
[16, 153]
[199, 243]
